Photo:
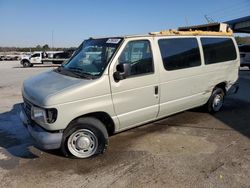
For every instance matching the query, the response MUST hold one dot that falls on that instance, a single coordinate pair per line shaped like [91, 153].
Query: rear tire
[84, 138]
[215, 101]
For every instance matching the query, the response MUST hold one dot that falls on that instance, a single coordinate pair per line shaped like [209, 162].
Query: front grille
[27, 107]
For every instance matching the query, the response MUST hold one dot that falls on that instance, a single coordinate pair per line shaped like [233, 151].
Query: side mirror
[123, 71]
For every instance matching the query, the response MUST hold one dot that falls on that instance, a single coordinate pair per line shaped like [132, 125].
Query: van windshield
[92, 57]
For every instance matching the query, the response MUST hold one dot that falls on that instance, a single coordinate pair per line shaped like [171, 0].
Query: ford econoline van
[116, 83]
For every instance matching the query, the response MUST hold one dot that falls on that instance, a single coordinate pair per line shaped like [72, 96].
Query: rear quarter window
[217, 50]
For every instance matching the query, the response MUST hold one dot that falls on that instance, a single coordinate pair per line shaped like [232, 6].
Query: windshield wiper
[75, 69]
[81, 73]
[64, 71]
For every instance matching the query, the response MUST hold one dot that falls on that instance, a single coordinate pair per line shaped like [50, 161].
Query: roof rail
[217, 29]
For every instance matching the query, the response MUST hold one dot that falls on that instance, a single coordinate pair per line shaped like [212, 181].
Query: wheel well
[222, 85]
[104, 118]
[25, 60]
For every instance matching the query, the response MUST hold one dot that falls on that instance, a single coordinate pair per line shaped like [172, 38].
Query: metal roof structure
[217, 29]
[240, 25]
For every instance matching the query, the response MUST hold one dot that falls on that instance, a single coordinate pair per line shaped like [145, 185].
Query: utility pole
[186, 19]
[52, 39]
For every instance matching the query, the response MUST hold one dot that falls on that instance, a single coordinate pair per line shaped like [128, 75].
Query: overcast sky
[27, 23]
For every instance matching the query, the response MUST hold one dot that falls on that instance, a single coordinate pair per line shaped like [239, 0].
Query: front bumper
[45, 139]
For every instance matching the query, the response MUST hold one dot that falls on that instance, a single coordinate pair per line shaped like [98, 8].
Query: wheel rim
[217, 102]
[82, 143]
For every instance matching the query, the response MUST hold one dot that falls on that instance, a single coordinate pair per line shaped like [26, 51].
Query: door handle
[156, 90]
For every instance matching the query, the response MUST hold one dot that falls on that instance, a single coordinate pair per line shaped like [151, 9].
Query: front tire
[26, 64]
[84, 138]
[215, 101]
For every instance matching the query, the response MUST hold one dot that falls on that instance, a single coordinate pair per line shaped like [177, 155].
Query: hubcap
[82, 143]
[217, 103]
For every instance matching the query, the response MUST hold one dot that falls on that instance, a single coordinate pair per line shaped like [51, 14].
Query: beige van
[116, 83]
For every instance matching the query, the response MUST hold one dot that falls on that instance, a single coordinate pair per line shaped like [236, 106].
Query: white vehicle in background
[35, 58]
[55, 57]
[244, 55]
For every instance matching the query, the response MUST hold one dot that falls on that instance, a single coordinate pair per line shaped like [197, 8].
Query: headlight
[43, 116]
[38, 115]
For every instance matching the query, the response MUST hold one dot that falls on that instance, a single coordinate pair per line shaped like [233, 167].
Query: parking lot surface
[189, 149]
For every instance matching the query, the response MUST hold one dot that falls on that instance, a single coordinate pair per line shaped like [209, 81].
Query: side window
[36, 55]
[218, 50]
[138, 54]
[179, 53]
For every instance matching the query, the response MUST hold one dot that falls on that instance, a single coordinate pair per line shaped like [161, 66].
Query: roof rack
[217, 29]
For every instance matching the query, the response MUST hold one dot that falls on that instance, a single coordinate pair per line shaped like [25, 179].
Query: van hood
[40, 88]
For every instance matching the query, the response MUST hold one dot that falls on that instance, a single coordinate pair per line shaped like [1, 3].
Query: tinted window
[218, 50]
[138, 54]
[179, 53]
[244, 48]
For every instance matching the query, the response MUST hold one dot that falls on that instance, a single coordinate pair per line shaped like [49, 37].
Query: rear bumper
[45, 139]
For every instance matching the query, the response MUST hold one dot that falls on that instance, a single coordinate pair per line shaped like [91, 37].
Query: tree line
[46, 47]
[32, 49]
[242, 40]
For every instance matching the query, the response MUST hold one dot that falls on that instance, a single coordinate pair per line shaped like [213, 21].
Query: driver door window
[138, 54]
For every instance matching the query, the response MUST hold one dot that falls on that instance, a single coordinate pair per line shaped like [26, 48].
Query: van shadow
[236, 109]
[13, 136]
[235, 114]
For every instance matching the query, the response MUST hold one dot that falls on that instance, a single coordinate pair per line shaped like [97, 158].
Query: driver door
[35, 58]
[136, 98]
